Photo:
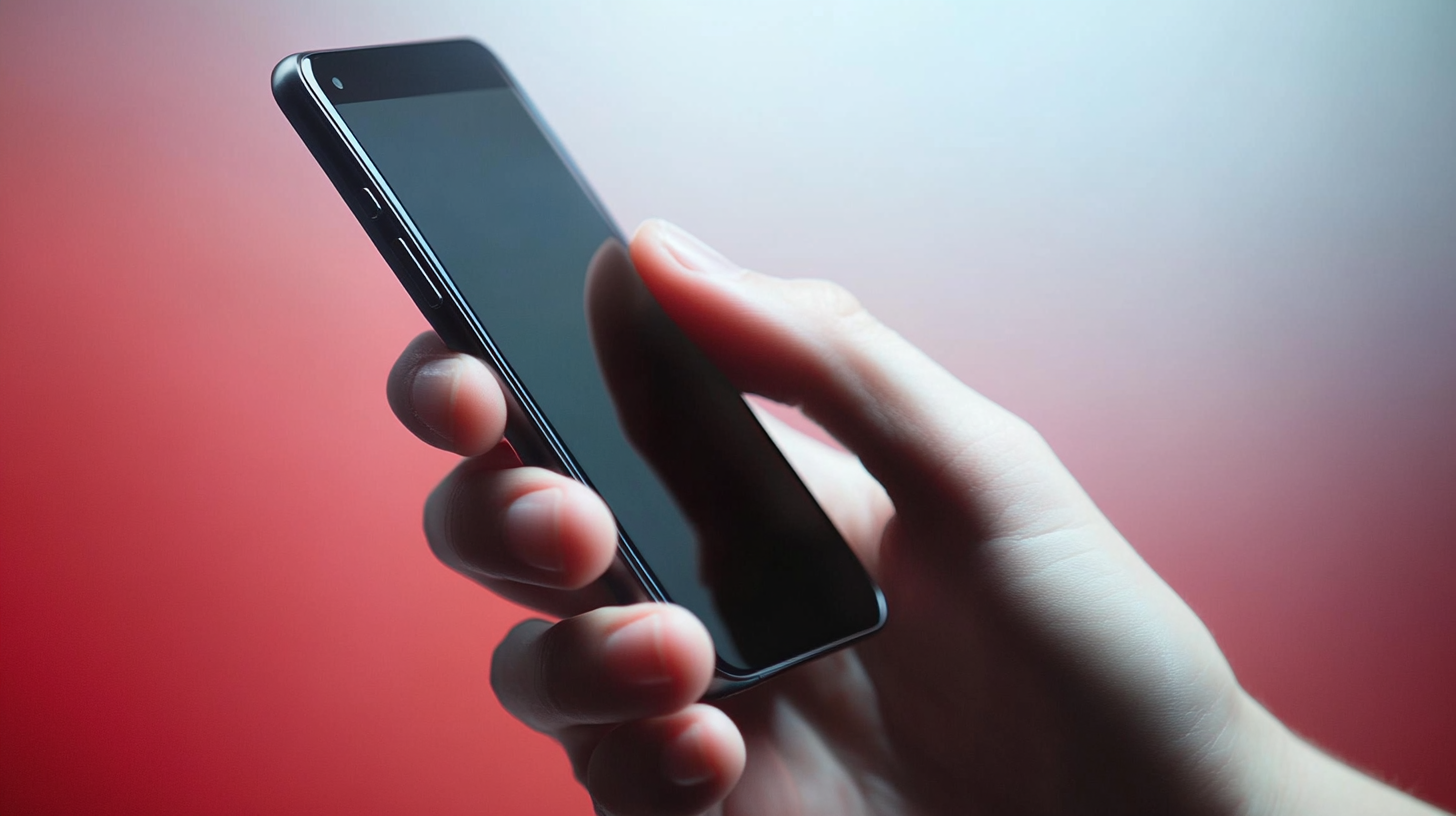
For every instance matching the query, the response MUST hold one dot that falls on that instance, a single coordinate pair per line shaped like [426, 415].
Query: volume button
[434, 295]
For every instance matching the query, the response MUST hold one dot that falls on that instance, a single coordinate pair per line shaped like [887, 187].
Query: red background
[1210, 252]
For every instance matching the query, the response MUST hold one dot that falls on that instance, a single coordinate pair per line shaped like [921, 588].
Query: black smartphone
[509, 255]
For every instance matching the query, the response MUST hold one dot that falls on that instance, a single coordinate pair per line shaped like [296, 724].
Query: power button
[430, 292]
[370, 204]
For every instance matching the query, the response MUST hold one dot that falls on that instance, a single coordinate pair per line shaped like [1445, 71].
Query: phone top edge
[372, 73]
[400, 44]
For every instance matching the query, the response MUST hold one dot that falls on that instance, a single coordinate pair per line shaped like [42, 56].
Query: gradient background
[1209, 250]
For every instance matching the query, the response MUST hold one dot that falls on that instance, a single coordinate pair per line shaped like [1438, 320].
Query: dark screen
[724, 525]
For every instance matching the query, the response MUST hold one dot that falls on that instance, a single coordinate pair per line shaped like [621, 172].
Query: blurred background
[1209, 249]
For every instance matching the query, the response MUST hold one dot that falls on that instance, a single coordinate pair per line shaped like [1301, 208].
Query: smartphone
[506, 251]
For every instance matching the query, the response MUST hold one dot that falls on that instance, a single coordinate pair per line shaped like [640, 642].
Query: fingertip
[610, 665]
[478, 408]
[663, 244]
[680, 763]
[451, 401]
[521, 524]
[646, 250]
[587, 535]
[560, 531]
[707, 749]
[646, 231]
[688, 645]
[659, 656]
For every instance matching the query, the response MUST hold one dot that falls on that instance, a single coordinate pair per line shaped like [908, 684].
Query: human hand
[1033, 663]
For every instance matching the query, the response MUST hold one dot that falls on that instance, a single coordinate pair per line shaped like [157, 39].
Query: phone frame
[364, 189]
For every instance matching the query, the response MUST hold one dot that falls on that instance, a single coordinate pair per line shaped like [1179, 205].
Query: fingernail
[432, 396]
[636, 649]
[684, 761]
[692, 254]
[531, 525]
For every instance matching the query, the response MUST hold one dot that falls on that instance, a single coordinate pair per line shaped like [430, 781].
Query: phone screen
[724, 525]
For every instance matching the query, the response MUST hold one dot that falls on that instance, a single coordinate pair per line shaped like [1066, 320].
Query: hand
[1033, 663]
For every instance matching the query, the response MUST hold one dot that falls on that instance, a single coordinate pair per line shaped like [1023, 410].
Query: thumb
[937, 446]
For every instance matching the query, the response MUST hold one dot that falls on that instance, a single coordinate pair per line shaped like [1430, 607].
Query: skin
[1033, 663]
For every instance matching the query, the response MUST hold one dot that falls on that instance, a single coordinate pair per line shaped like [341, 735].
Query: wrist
[1260, 759]
[1284, 775]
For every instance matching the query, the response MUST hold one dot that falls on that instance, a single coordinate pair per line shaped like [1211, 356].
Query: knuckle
[1013, 444]
[827, 298]
[837, 311]
[1023, 435]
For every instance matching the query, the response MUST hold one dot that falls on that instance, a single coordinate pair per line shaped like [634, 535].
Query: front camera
[338, 83]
